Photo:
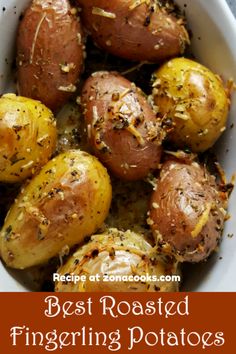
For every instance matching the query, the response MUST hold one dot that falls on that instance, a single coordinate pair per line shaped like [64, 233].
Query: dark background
[232, 4]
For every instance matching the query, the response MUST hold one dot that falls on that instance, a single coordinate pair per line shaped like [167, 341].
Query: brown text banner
[117, 323]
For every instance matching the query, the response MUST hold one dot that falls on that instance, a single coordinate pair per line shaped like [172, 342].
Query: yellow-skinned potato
[27, 137]
[194, 100]
[49, 52]
[116, 254]
[67, 201]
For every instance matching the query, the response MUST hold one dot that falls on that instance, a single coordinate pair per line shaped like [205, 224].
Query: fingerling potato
[67, 201]
[135, 30]
[27, 137]
[115, 254]
[194, 99]
[187, 211]
[122, 128]
[49, 52]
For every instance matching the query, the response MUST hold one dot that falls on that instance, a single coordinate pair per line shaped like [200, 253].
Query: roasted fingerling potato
[193, 100]
[109, 180]
[49, 52]
[27, 137]
[138, 30]
[187, 211]
[68, 200]
[122, 128]
[116, 254]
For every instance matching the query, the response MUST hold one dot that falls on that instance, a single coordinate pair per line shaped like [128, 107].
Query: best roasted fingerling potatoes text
[69, 198]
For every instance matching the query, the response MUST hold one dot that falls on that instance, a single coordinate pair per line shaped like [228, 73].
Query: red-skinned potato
[135, 30]
[122, 128]
[187, 211]
[49, 52]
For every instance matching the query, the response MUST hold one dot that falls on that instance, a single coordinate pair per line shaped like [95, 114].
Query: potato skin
[194, 99]
[146, 33]
[28, 137]
[117, 253]
[68, 200]
[122, 128]
[49, 52]
[187, 211]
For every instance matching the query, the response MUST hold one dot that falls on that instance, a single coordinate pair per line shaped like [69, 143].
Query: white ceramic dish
[214, 38]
